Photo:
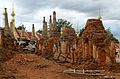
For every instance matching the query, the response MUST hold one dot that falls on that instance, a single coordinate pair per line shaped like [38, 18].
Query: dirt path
[30, 66]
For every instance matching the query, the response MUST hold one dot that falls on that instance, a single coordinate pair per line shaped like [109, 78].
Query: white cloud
[77, 12]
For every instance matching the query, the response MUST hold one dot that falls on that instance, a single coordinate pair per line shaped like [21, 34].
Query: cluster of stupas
[66, 47]
[11, 35]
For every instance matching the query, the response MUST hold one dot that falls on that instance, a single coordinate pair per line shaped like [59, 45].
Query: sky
[76, 11]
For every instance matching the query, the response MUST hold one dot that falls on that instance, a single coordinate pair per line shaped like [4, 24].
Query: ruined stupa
[93, 44]
[7, 37]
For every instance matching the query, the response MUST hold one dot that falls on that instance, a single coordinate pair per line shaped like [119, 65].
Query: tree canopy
[39, 31]
[21, 27]
[63, 23]
[81, 31]
[109, 36]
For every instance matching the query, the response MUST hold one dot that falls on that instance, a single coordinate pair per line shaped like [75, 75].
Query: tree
[81, 32]
[115, 40]
[109, 36]
[21, 27]
[63, 23]
[39, 31]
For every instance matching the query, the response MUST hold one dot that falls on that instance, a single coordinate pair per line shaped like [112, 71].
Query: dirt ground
[31, 66]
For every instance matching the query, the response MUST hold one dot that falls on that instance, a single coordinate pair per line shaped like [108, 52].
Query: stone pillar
[98, 55]
[22, 36]
[86, 51]
[50, 25]
[43, 32]
[44, 27]
[73, 56]
[74, 44]
[33, 32]
[54, 20]
[39, 48]
[63, 47]
[112, 51]
[94, 52]
[11, 29]
[23, 31]
[90, 49]
[83, 49]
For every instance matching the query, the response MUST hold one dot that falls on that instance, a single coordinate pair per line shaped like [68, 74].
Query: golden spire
[6, 23]
[13, 13]
[99, 17]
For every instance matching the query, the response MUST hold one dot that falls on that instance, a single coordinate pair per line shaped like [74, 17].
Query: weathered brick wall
[94, 35]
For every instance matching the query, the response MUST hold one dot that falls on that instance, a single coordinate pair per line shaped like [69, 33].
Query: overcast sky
[75, 11]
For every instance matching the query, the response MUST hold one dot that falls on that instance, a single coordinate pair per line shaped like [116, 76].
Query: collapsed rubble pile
[5, 71]
[23, 58]
[6, 54]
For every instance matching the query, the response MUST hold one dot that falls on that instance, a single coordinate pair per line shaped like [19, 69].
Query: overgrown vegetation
[63, 23]
[81, 32]
[39, 31]
[21, 27]
[110, 37]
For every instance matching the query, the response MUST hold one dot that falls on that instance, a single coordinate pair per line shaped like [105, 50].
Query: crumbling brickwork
[93, 44]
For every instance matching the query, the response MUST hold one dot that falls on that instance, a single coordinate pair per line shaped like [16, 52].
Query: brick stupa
[93, 44]
[7, 36]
